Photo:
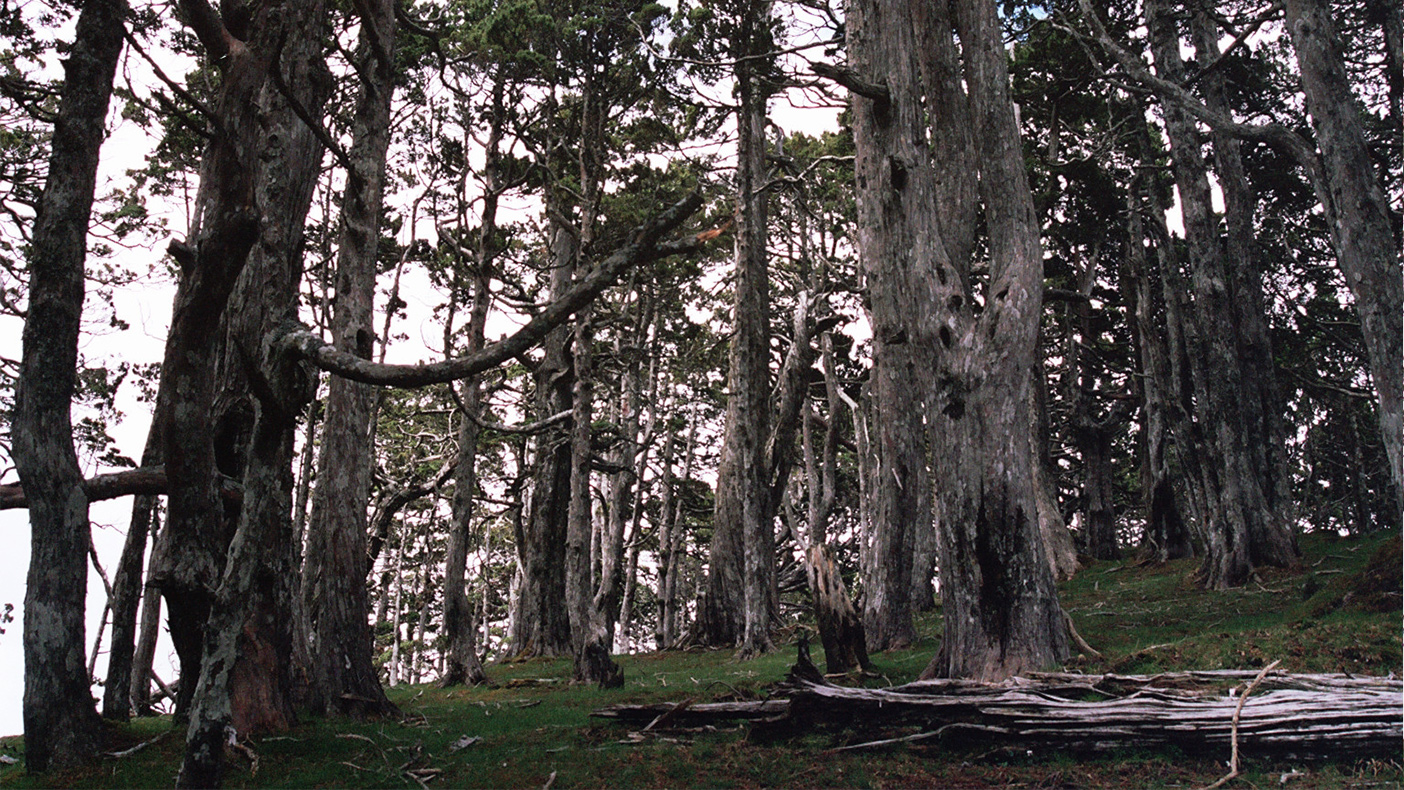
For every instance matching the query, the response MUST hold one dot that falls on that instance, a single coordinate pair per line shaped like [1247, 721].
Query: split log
[1297, 717]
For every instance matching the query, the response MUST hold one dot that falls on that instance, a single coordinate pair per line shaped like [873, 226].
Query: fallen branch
[137, 748]
[1305, 717]
[1237, 713]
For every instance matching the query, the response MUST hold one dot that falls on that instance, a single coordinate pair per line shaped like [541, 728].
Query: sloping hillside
[1339, 613]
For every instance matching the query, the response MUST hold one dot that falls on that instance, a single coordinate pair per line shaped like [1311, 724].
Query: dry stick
[137, 748]
[921, 736]
[1077, 638]
[1237, 712]
[667, 715]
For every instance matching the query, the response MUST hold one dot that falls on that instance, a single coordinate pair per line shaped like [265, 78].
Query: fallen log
[1297, 717]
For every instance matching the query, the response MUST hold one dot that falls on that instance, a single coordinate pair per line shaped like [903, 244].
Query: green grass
[533, 726]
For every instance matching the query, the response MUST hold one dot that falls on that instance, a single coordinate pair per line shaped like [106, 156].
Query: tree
[1002, 615]
[342, 678]
[1246, 520]
[740, 599]
[60, 723]
[1367, 249]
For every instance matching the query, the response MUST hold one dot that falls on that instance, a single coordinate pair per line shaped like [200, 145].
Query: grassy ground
[533, 730]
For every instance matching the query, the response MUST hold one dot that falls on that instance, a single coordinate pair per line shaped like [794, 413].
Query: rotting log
[1297, 717]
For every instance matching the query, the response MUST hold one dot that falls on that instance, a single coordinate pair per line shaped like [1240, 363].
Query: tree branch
[128, 482]
[207, 25]
[1274, 134]
[644, 248]
[853, 81]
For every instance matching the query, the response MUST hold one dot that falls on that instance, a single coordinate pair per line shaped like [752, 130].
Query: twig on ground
[137, 748]
[921, 736]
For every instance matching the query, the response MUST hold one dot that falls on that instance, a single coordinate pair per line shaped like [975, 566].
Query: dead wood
[1301, 717]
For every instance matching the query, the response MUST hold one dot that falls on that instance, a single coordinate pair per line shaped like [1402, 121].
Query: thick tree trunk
[246, 670]
[590, 640]
[1366, 248]
[740, 600]
[228, 220]
[1001, 607]
[342, 676]
[1266, 435]
[540, 620]
[840, 629]
[1243, 527]
[61, 726]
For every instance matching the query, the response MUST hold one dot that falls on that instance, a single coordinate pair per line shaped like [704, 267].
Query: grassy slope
[533, 727]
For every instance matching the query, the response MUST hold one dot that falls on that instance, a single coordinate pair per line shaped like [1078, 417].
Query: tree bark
[246, 672]
[1366, 248]
[144, 656]
[227, 225]
[1242, 526]
[1168, 535]
[61, 726]
[740, 602]
[590, 642]
[462, 662]
[342, 677]
[840, 628]
[126, 596]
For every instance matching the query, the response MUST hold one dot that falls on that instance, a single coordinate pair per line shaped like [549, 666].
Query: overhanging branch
[645, 247]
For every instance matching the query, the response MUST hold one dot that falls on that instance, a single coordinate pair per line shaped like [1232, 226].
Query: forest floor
[1340, 612]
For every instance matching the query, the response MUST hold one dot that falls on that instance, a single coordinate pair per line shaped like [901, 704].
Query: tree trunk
[61, 726]
[589, 636]
[246, 671]
[343, 679]
[126, 596]
[463, 664]
[1273, 539]
[1057, 538]
[1243, 526]
[840, 628]
[540, 620]
[227, 224]
[1366, 248]
[1001, 606]
[145, 654]
[1167, 531]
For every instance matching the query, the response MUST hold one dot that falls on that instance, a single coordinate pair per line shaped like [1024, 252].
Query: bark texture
[740, 599]
[1002, 614]
[126, 597]
[61, 726]
[1245, 525]
[1366, 248]
[1296, 717]
[225, 228]
[342, 678]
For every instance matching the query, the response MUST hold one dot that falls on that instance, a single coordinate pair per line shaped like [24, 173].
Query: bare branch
[644, 248]
[853, 81]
